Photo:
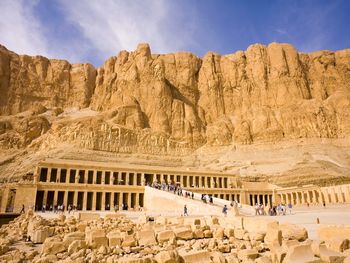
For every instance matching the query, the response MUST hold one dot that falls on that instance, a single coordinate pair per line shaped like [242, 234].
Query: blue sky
[92, 30]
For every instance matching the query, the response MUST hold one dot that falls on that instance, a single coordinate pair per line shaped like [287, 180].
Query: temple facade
[100, 186]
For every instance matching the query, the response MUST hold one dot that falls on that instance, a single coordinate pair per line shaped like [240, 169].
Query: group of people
[57, 208]
[172, 187]
[275, 210]
[207, 199]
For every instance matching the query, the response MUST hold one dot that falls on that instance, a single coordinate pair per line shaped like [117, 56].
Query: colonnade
[317, 195]
[264, 199]
[89, 200]
[109, 177]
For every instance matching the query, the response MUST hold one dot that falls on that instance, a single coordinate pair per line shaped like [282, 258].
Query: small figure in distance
[224, 210]
[22, 210]
[185, 211]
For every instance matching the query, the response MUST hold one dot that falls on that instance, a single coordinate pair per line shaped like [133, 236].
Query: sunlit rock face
[176, 103]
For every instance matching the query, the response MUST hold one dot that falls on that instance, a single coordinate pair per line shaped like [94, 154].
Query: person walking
[185, 211]
[224, 210]
[290, 206]
[22, 210]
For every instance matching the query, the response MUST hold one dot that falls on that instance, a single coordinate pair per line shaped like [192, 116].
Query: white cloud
[115, 25]
[20, 31]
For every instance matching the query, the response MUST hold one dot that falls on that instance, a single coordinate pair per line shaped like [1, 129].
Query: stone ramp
[170, 204]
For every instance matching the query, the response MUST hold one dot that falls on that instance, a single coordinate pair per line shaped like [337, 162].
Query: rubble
[164, 240]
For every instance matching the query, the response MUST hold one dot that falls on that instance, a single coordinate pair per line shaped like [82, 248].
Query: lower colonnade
[97, 186]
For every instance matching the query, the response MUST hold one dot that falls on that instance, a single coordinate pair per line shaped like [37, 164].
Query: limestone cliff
[175, 103]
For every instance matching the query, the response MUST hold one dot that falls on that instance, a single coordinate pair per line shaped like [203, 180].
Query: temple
[99, 186]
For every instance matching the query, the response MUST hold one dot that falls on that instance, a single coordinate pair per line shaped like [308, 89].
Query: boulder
[247, 254]
[129, 241]
[88, 216]
[301, 253]
[330, 256]
[52, 246]
[338, 243]
[273, 234]
[165, 235]
[292, 231]
[75, 246]
[114, 238]
[146, 237]
[40, 235]
[183, 233]
[170, 256]
[96, 238]
[201, 256]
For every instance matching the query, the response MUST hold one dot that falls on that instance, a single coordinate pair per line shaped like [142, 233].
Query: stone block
[146, 237]
[88, 216]
[330, 256]
[183, 233]
[81, 227]
[200, 256]
[239, 233]
[291, 231]
[247, 254]
[75, 246]
[328, 232]
[338, 244]
[170, 256]
[301, 253]
[96, 238]
[257, 236]
[70, 237]
[129, 241]
[165, 235]
[40, 235]
[114, 238]
[52, 246]
[273, 234]
[198, 233]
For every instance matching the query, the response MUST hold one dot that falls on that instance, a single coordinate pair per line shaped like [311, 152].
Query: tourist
[185, 211]
[69, 208]
[43, 208]
[22, 210]
[224, 210]
[324, 204]
[290, 206]
[192, 195]
[256, 209]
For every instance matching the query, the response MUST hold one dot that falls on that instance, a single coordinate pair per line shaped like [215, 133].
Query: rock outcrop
[175, 103]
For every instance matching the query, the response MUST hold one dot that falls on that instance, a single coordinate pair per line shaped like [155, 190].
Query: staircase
[160, 202]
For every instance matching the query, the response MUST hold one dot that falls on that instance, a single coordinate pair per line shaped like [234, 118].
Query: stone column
[129, 200]
[55, 195]
[67, 175]
[84, 201]
[308, 196]
[213, 182]
[58, 178]
[94, 201]
[347, 193]
[94, 177]
[65, 198]
[121, 199]
[137, 200]
[4, 199]
[188, 181]
[45, 197]
[48, 177]
[111, 178]
[103, 201]
[75, 199]
[86, 175]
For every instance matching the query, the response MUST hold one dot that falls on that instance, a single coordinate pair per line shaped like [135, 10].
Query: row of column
[325, 195]
[89, 199]
[60, 175]
[264, 199]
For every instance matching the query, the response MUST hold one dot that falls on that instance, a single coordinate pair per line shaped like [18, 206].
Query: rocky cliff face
[178, 102]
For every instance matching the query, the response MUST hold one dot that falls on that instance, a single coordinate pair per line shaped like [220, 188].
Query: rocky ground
[116, 238]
